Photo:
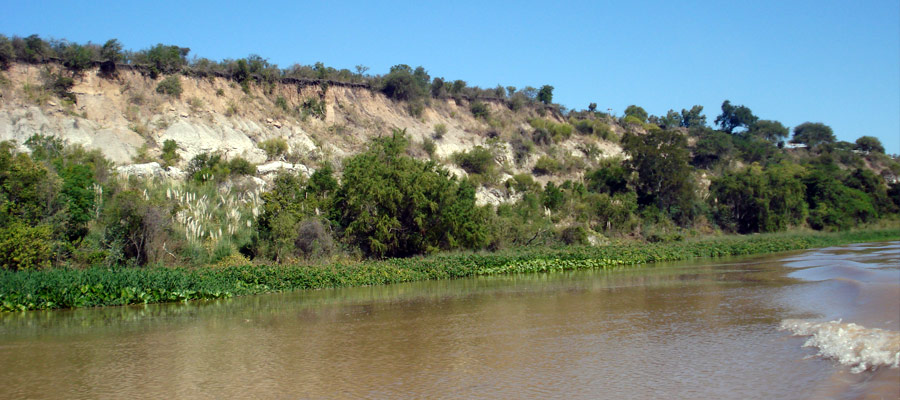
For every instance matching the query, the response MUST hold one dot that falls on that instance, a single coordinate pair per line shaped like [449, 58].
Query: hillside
[128, 120]
[112, 157]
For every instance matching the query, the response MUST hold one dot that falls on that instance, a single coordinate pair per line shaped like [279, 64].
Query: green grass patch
[68, 288]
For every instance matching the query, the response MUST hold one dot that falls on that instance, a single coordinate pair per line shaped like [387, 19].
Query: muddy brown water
[711, 329]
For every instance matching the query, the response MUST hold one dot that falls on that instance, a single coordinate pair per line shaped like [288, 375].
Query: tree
[671, 120]
[438, 89]
[402, 83]
[660, 161]
[734, 117]
[545, 95]
[757, 200]
[391, 205]
[77, 58]
[813, 134]
[592, 107]
[693, 118]
[869, 144]
[134, 227]
[771, 131]
[611, 178]
[637, 112]
[833, 205]
[165, 59]
[711, 147]
[6, 52]
[111, 51]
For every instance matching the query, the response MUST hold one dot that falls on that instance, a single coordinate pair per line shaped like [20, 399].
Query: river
[814, 324]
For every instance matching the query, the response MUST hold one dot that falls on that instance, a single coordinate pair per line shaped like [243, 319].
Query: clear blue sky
[794, 61]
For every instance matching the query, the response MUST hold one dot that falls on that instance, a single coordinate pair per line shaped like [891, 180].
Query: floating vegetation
[67, 288]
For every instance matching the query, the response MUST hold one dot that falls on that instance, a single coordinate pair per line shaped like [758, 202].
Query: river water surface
[814, 324]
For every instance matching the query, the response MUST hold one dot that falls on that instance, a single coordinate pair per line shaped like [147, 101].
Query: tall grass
[66, 288]
[213, 221]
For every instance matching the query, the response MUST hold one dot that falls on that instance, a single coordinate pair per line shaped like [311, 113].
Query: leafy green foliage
[660, 161]
[393, 205]
[480, 110]
[404, 83]
[439, 131]
[478, 160]
[693, 118]
[206, 167]
[611, 177]
[134, 228]
[7, 55]
[813, 134]
[546, 165]
[66, 288]
[757, 200]
[23, 247]
[734, 117]
[164, 59]
[274, 148]
[712, 146]
[547, 131]
[171, 86]
[771, 131]
[76, 57]
[315, 107]
[60, 85]
[637, 112]
[545, 94]
[833, 205]
[170, 152]
[869, 144]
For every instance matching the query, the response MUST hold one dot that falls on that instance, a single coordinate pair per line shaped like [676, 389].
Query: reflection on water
[706, 330]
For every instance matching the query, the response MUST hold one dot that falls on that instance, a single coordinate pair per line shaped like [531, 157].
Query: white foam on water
[850, 344]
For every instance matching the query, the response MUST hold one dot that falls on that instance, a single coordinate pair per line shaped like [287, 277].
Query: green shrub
[163, 59]
[391, 205]
[429, 146]
[76, 57]
[416, 108]
[632, 120]
[574, 235]
[23, 247]
[478, 160]
[281, 103]
[240, 166]
[313, 106]
[170, 153]
[171, 86]
[522, 149]
[546, 166]
[439, 131]
[522, 183]
[558, 132]
[61, 86]
[274, 148]
[480, 110]
[403, 83]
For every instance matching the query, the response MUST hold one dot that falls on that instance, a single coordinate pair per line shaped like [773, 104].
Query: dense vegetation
[62, 288]
[402, 82]
[63, 209]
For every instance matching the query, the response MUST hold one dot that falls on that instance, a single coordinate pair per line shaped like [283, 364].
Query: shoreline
[95, 287]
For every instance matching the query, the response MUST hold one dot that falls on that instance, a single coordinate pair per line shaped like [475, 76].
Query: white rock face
[485, 196]
[117, 143]
[193, 139]
[148, 170]
[269, 170]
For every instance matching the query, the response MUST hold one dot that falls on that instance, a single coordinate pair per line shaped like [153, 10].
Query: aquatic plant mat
[67, 288]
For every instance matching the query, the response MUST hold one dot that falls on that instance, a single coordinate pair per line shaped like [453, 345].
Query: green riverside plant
[68, 288]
